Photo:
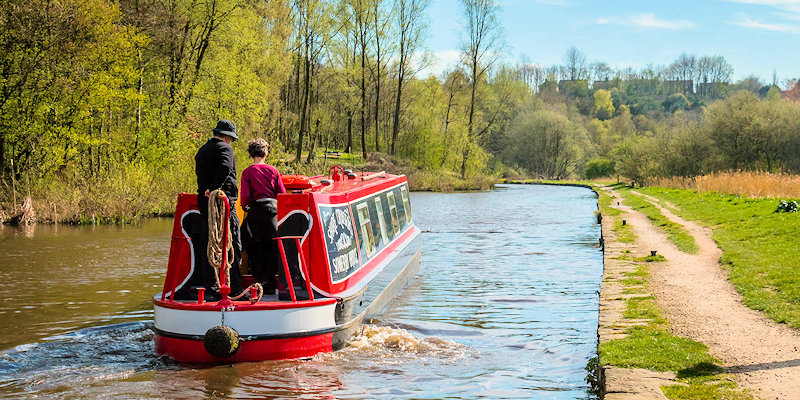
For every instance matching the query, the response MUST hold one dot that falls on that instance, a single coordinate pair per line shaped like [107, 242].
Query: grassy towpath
[760, 247]
[700, 302]
[640, 355]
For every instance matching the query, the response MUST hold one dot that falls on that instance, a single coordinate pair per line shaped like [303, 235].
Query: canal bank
[677, 314]
[623, 284]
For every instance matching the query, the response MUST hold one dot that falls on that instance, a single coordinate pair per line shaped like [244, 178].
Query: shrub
[599, 167]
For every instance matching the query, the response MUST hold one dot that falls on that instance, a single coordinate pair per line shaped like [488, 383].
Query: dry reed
[749, 184]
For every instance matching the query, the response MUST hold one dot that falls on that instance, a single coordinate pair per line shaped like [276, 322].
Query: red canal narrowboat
[348, 247]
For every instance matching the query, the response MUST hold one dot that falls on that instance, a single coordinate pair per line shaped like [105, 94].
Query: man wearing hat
[215, 167]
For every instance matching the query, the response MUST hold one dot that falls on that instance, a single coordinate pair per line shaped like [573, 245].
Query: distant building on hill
[712, 89]
[570, 87]
[678, 86]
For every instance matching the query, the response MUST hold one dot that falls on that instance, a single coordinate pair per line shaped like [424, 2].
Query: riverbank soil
[700, 303]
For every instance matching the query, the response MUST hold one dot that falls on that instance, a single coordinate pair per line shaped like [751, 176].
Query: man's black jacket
[215, 167]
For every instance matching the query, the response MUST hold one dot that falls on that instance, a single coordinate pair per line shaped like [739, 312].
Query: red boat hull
[187, 350]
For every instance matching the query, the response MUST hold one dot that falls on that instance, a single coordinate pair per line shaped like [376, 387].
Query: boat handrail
[303, 266]
[381, 174]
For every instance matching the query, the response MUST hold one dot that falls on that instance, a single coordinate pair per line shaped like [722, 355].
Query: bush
[599, 167]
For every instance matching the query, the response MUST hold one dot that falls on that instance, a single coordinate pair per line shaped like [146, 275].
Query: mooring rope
[216, 232]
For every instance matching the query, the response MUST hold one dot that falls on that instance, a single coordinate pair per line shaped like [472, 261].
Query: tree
[479, 52]
[603, 106]
[380, 24]
[410, 27]
[636, 159]
[599, 168]
[675, 102]
[575, 64]
[546, 144]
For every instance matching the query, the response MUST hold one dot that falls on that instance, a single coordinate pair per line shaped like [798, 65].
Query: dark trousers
[207, 272]
[259, 230]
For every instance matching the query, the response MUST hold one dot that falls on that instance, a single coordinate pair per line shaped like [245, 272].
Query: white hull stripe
[256, 322]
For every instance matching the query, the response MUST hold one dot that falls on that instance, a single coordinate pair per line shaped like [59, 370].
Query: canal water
[505, 306]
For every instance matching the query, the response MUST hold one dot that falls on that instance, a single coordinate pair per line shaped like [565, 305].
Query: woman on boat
[261, 184]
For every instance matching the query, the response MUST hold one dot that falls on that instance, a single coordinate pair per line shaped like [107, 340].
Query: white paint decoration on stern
[255, 322]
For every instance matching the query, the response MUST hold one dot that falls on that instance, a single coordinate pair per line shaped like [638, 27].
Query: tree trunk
[3, 155]
[363, 99]
[396, 122]
[349, 148]
[304, 112]
[447, 123]
[471, 114]
[313, 139]
[400, 77]
[378, 81]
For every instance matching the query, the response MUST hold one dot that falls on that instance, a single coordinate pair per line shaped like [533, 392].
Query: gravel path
[701, 304]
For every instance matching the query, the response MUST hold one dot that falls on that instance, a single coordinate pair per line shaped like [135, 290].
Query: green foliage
[598, 168]
[546, 144]
[675, 102]
[637, 159]
[603, 106]
[94, 88]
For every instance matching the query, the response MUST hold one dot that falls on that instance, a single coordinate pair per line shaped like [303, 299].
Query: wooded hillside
[104, 103]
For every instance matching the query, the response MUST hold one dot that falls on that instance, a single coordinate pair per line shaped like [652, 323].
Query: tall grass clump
[754, 184]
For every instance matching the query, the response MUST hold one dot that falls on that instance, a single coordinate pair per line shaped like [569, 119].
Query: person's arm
[244, 195]
[224, 166]
[279, 188]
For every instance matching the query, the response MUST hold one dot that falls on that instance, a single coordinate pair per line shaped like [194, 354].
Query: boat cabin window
[381, 220]
[406, 204]
[366, 237]
[393, 212]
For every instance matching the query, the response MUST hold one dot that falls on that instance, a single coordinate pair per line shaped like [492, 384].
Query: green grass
[624, 233]
[655, 258]
[642, 308]
[675, 232]
[655, 348]
[604, 202]
[760, 247]
[707, 391]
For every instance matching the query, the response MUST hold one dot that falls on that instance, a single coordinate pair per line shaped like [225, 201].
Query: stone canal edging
[616, 383]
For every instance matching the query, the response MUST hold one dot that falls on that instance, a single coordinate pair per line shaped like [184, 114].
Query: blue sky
[755, 36]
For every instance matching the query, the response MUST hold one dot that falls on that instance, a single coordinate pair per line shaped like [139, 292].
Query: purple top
[260, 181]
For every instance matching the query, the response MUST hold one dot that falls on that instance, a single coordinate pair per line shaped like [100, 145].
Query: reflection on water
[505, 307]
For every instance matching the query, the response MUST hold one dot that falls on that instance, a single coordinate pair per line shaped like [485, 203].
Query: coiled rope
[216, 232]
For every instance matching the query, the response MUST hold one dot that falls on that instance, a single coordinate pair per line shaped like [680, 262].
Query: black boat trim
[248, 338]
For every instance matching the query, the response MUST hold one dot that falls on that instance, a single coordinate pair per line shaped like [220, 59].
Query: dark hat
[226, 127]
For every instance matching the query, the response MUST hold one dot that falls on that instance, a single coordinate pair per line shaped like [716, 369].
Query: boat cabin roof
[357, 184]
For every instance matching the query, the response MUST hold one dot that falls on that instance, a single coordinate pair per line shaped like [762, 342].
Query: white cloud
[786, 9]
[647, 20]
[747, 22]
[790, 12]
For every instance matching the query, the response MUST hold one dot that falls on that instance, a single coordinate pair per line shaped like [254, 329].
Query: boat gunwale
[243, 305]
